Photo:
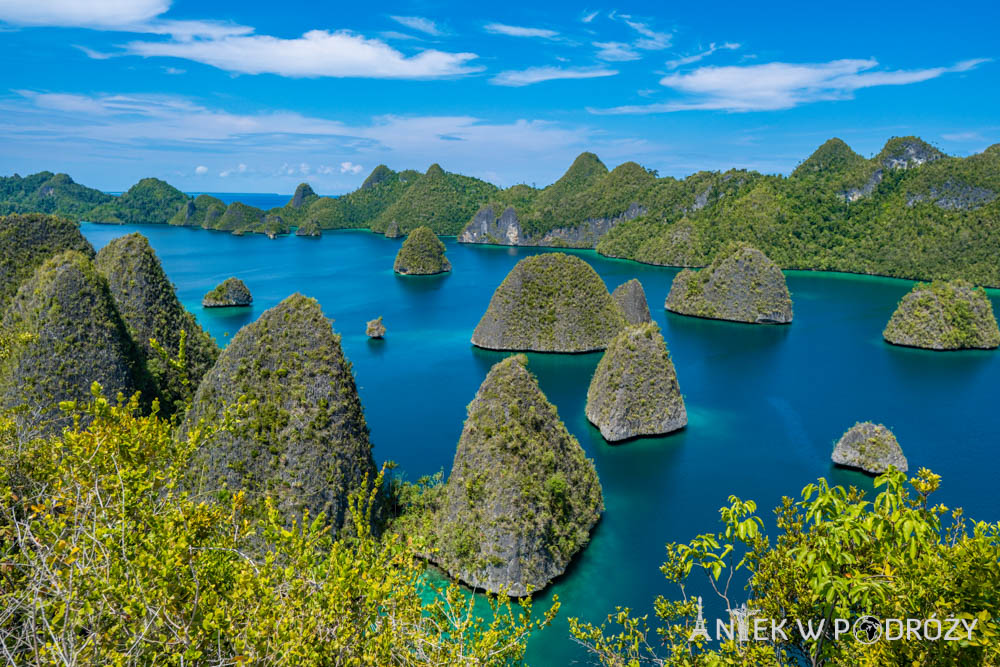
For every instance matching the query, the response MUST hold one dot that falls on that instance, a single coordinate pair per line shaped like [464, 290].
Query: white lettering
[913, 627]
[840, 626]
[777, 630]
[759, 629]
[893, 622]
[927, 629]
[970, 628]
[811, 633]
[723, 629]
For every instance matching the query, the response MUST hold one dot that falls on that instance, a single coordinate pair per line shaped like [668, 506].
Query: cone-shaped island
[27, 240]
[869, 447]
[944, 315]
[422, 254]
[230, 292]
[632, 299]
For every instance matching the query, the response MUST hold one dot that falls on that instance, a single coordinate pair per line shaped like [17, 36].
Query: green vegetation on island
[298, 431]
[62, 333]
[392, 230]
[741, 285]
[634, 391]
[869, 447]
[27, 240]
[551, 302]
[150, 201]
[631, 297]
[46, 192]
[944, 315]
[230, 292]
[375, 328]
[148, 305]
[440, 200]
[202, 211]
[522, 496]
[422, 254]
[309, 229]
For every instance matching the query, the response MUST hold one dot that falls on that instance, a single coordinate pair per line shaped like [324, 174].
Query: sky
[257, 97]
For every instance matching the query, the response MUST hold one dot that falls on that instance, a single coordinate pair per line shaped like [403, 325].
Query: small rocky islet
[522, 496]
[231, 292]
[551, 302]
[869, 447]
[375, 328]
[422, 254]
[634, 391]
[631, 297]
[944, 315]
[740, 285]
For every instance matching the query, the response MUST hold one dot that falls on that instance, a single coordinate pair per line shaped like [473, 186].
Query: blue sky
[256, 97]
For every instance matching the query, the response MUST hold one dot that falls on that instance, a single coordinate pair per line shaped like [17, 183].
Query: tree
[836, 556]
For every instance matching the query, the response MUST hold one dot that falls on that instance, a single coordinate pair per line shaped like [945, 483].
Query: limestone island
[944, 315]
[422, 254]
[551, 302]
[522, 496]
[740, 285]
[375, 328]
[230, 292]
[309, 228]
[634, 391]
[27, 240]
[869, 447]
[303, 437]
[632, 299]
[392, 230]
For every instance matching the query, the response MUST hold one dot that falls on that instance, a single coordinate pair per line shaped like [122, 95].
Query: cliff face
[944, 315]
[65, 333]
[634, 390]
[550, 303]
[741, 285]
[522, 497]
[422, 254]
[505, 229]
[631, 297]
[149, 307]
[27, 240]
[869, 447]
[230, 292]
[303, 435]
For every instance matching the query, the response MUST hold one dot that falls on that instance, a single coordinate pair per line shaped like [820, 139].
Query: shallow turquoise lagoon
[765, 404]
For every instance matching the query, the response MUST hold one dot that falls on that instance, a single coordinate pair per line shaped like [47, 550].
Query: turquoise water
[765, 404]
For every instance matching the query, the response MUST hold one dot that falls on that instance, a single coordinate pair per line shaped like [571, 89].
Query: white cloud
[688, 60]
[238, 169]
[651, 40]
[616, 51]
[519, 31]
[588, 16]
[174, 70]
[418, 23]
[962, 136]
[201, 170]
[774, 86]
[532, 75]
[74, 13]
[317, 53]
[350, 168]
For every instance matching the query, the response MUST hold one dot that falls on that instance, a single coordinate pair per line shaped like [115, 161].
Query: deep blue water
[765, 404]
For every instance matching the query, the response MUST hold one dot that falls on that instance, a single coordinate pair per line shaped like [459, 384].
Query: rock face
[634, 391]
[869, 447]
[741, 284]
[149, 307]
[203, 211]
[550, 303]
[65, 333]
[632, 299]
[302, 193]
[303, 437]
[422, 254]
[230, 292]
[392, 230]
[944, 315]
[310, 229]
[27, 240]
[522, 497]
[505, 229]
[375, 328]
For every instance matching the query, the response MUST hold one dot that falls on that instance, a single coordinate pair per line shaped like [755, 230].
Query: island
[944, 315]
[551, 302]
[869, 447]
[631, 297]
[634, 391]
[27, 240]
[375, 328]
[522, 496]
[230, 292]
[422, 254]
[741, 285]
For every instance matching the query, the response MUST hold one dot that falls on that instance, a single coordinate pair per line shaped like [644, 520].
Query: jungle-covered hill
[910, 211]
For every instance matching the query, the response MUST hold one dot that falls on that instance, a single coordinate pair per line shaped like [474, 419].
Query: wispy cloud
[774, 86]
[106, 14]
[418, 23]
[616, 51]
[174, 70]
[350, 168]
[588, 16]
[519, 31]
[962, 136]
[650, 40]
[712, 48]
[526, 77]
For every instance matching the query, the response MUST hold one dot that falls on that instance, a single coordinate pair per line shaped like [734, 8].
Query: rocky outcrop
[550, 303]
[27, 240]
[240, 218]
[274, 226]
[63, 333]
[392, 230]
[230, 292]
[487, 227]
[522, 497]
[741, 284]
[304, 194]
[676, 245]
[907, 153]
[375, 328]
[310, 229]
[422, 254]
[944, 315]
[300, 434]
[202, 211]
[634, 390]
[952, 196]
[505, 229]
[869, 447]
[150, 309]
[632, 299]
